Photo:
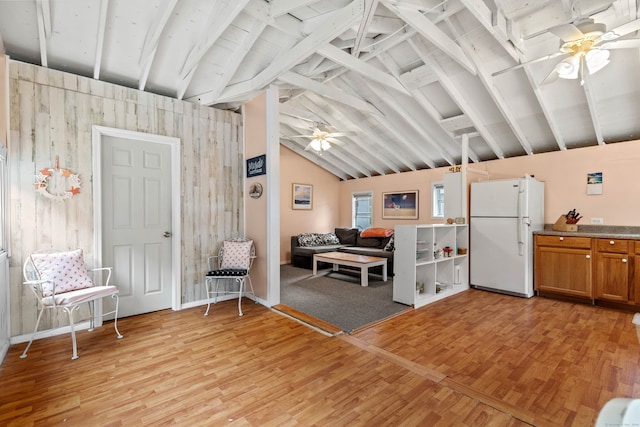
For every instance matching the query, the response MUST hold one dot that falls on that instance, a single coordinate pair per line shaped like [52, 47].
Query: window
[437, 199]
[362, 210]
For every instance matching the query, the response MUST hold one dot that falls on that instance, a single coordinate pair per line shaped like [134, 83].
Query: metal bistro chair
[59, 280]
[234, 261]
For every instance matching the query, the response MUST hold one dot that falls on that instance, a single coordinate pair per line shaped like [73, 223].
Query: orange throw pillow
[377, 232]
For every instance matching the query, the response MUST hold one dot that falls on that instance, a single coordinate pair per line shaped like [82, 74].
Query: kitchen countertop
[597, 231]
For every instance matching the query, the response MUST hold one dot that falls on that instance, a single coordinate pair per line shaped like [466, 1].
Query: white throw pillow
[65, 269]
[236, 255]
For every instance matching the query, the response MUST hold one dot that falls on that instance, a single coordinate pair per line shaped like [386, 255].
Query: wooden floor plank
[474, 359]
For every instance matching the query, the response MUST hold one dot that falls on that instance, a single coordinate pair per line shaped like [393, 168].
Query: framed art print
[302, 196]
[400, 205]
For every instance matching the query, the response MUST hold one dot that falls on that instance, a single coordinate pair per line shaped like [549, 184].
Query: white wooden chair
[234, 261]
[59, 280]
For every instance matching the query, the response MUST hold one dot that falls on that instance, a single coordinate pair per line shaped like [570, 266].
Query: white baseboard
[51, 332]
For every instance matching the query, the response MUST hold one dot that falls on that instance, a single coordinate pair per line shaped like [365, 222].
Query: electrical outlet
[597, 220]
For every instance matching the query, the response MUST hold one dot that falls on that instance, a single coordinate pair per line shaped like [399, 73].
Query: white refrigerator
[504, 214]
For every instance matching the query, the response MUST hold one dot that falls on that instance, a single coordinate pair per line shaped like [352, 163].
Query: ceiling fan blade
[567, 32]
[343, 134]
[522, 64]
[551, 77]
[300, 136]
[622, 30]
[621, 44]
[334, 141]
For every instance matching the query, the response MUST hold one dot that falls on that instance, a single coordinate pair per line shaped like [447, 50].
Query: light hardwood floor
[476, 359]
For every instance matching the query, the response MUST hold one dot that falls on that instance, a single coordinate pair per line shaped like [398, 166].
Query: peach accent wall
[563, 172]
[565, 176]
[255, 126]
[407, 181]
[323, 217]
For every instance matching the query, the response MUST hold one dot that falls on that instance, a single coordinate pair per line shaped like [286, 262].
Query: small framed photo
[400, 205]
[302, 196]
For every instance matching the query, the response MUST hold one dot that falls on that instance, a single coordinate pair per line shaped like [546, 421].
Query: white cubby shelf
[423, 273]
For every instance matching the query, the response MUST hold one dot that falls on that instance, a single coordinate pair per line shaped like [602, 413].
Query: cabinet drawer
[617, 246]
[564, 241]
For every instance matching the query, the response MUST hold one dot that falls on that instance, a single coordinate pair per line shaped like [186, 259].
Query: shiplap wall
[51, 114]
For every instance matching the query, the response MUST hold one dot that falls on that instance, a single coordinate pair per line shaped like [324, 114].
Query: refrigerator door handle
[521, 223]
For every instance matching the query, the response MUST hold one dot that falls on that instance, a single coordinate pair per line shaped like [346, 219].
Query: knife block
[561, 225]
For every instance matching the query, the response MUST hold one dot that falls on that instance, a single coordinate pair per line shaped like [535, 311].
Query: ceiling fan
[585, 44]
[322, 138]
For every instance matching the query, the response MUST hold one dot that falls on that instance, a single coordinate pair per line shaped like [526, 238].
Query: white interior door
[136, 222]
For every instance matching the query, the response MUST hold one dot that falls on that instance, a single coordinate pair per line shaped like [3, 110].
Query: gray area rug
[337, 297]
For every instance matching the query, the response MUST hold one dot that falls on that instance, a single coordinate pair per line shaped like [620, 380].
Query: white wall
[51, 114]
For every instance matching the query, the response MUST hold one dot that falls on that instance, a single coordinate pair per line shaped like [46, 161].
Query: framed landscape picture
[302, 196]
[400, 205]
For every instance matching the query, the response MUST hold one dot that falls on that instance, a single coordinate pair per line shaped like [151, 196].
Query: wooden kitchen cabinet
[612, 270]
[635, 276]
[563, 265]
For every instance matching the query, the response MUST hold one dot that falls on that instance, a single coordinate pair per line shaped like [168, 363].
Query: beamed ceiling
[409, 83]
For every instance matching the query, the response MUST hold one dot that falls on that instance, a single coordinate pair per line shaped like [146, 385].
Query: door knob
[167, 234]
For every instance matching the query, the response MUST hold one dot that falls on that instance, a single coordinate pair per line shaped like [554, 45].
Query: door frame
[176, 253]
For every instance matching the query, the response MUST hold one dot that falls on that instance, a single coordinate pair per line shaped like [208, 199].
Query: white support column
[273, 195]
[463, 172]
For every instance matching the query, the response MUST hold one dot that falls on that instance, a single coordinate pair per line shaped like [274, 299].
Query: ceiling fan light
[569, 68]
[596, 60]
[325, 145]
[316, 144]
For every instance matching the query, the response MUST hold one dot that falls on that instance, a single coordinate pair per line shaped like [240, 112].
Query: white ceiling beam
[494, 23]
[431, 6]
[370, 7]
[314, 158]
[328, 91]
[299, 113]
[221, 17]
[43, 15]
[152, 39]
[592, 104]
[282, 7]
[392, 120]
[333, 155]
[359, 152]
[357, 66]
[431, 32]
[429, 129]
[487, 81]
[336, 23]
[102, 25]
[548, 114]
[376, 142]
[458, 96]
[231, 67]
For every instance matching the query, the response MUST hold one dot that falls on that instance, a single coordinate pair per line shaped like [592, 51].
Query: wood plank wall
[51, 114]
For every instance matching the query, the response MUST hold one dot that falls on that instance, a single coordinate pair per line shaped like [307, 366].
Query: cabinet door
[612, 277]
[635, 283]
[563, 270]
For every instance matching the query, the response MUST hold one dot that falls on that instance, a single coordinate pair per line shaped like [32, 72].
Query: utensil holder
[561, 225]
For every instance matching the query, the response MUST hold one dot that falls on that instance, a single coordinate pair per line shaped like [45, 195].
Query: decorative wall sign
[57, 184]
[255, 190]
[594, 183]
[257, 166]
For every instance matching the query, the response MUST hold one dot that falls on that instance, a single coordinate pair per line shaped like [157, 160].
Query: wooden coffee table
[363, 262]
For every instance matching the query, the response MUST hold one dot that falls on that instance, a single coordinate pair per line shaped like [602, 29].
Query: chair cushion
[236, 255]
[80, 296]
[64, 269]
[228, 273]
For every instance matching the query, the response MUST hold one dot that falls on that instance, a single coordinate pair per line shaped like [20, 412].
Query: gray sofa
[349, 241]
